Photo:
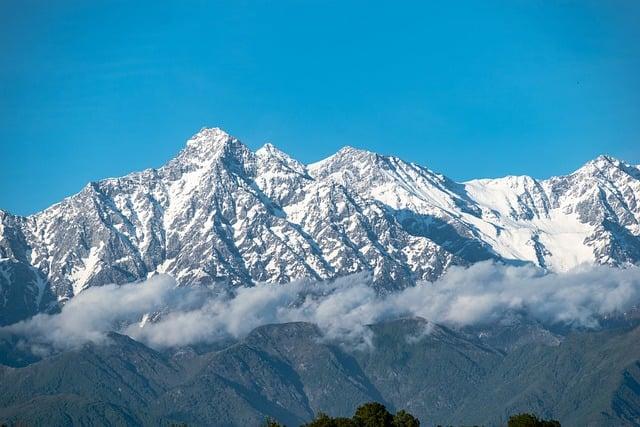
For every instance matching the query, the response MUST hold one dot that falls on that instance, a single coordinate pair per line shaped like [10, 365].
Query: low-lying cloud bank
[480, 294]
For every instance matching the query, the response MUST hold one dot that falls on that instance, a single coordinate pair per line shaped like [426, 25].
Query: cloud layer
[481, 294]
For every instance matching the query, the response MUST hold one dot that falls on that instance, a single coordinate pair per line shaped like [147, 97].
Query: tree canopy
[529, 420]
[370, 414]
[375, 414]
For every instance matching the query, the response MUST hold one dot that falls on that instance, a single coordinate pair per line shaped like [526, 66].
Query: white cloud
[482, 293]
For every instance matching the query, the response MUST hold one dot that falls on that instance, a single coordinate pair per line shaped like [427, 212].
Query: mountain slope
[286, 372]
[591, 379]
[219, 214]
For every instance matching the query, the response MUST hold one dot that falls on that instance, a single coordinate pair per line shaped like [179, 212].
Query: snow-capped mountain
[219, 214]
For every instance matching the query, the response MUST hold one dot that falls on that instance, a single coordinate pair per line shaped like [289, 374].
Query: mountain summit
[220, 214]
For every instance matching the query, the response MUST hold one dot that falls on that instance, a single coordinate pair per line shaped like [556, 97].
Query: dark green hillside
[290, 374]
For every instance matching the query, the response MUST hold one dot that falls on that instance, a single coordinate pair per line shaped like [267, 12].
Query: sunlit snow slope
[221, 215]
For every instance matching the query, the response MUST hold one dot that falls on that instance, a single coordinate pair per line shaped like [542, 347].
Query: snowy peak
[604, 169]
[279, 176]
[219, 214]
[351, 152]
[603, 162]
[270, 150]
[514, 197]
[346, 159]
[269, 155]
[213, 143]
[209, 139]
[213, 147]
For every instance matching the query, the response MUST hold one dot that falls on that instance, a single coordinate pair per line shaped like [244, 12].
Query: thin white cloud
[482, 293]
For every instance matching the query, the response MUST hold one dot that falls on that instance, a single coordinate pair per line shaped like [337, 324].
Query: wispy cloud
[482, 293]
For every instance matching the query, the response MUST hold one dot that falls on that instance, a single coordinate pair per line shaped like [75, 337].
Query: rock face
[221, 215]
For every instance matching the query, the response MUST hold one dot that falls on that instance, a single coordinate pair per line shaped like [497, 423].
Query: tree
[530, 420]
[404, 419]
[368, 415]
[323, 420]
[373, 414]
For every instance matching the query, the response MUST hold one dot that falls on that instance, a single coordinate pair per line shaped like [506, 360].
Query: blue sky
[95, 89]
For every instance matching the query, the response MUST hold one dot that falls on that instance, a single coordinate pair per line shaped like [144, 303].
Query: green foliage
[529, 420]
[323, 420]
[373, 414]
[368, 415]
[404, 419]
[344, 422]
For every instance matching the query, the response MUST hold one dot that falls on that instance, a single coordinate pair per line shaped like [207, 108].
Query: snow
[562, 234]
[40, 284]
[86, 269]
[219, 205]
[208, 135]
[180, 193]
[144, 320]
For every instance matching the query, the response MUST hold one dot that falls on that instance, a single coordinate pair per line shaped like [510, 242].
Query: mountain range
[288, 372]
[221, 215]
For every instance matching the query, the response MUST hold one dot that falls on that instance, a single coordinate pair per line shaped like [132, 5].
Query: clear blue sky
[92, 89]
